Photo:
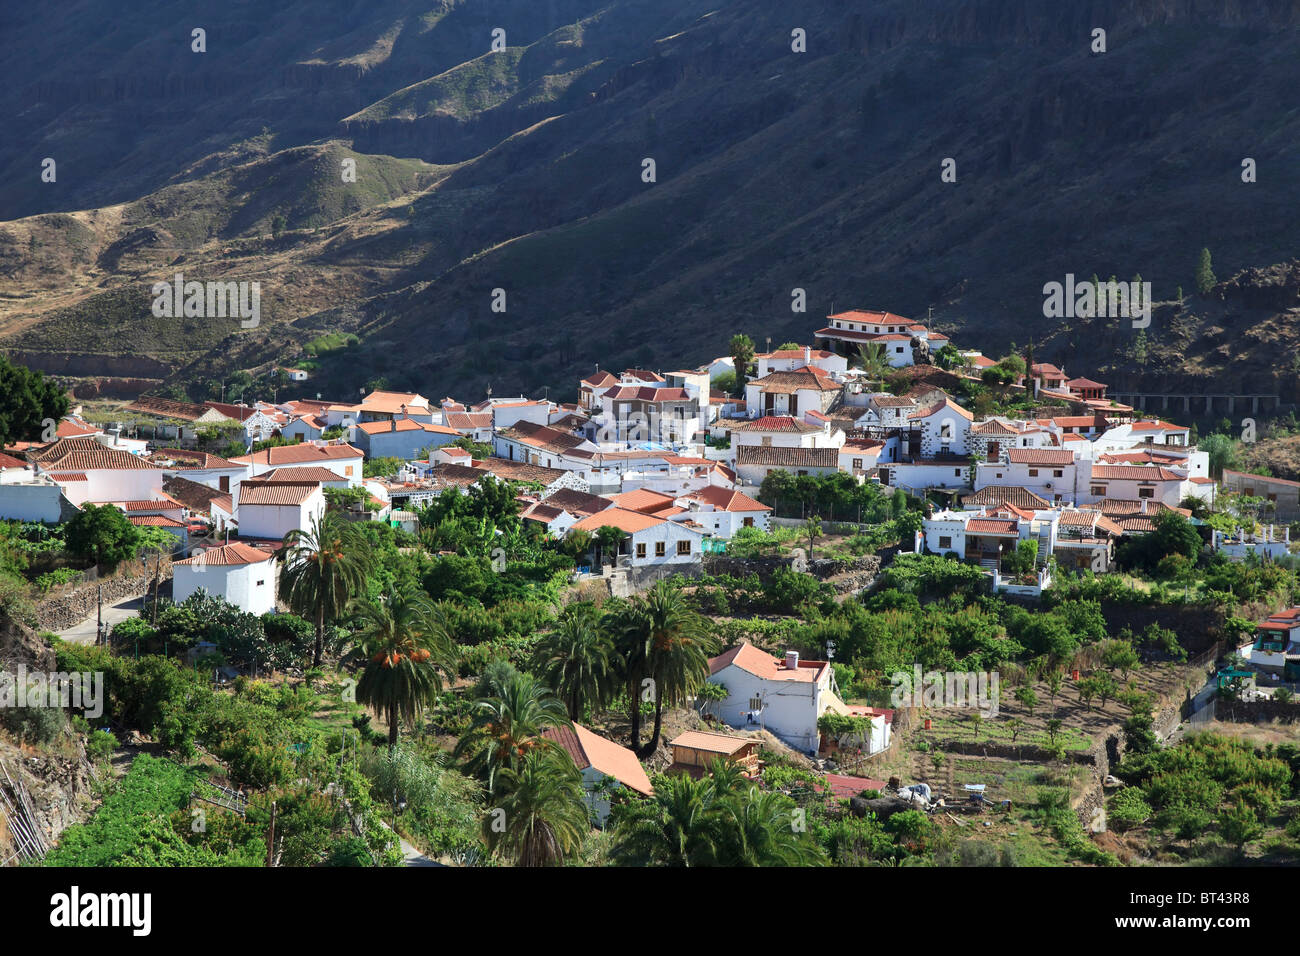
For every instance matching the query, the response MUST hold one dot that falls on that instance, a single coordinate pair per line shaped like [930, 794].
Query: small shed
[695, 750]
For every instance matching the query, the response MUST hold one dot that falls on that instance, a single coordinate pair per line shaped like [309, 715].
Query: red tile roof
[592, 750]
[995, 526]
[275, 493]
[229, 555]
[726, 499]
[763, 665]
[1039, 456]
[85, 454]
[1133, 473]
[301, 454]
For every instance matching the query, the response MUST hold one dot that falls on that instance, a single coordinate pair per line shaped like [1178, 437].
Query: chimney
[807, 355]
[791, 660]
[392, 424]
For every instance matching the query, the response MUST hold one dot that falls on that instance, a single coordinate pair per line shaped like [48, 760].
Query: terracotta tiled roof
[646, 393]
[998, 526]
[626, 521]
[229, 555]
[777, 423]
[154, 521]
[275, 493]
[1039, 456]
[643, 500]
[63, 477]
[301, 454]
[763, 665]
[404, 425]
[578, 503]
[809, 377]
[298, 475]
[1133, 473]
[391, 403]
[711, 743]
[85, 454]
[519, 471]
[541, 436]
[592, 750]
[468, 421]
[727, 499]
[167, 408]
[947, 404]
[993, 495]
[778, 456]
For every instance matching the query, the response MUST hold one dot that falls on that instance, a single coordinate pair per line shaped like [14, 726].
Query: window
[1146, 492]
[1058, 473]
[661, 548]
[748, 522]
[755, 703]
[225, 483]
[260, 583]
[857, 464]
[347, 470]
[1033, 472]
[1249, 492]
[945, 541]
[1272, 497]
[767, 441]
[956, 472]
[1098, 491]
[640, 549]
[683, 547]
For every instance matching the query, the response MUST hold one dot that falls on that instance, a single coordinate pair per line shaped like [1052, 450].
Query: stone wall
[67, 607]
[1256, 711]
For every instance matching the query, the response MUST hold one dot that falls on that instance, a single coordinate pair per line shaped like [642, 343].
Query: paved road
[84, 633]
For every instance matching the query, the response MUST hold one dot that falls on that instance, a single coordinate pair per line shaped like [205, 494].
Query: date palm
[759, 828]
[677, 644]
[407, 651]
[574, 658]
[542, 816]
[325, 568]
[507, 726]
[678, 827]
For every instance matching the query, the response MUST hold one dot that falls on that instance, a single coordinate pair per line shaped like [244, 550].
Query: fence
[20, 819]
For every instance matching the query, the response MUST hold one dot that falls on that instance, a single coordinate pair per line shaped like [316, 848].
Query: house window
[224, 483]
[945, 541]
[347, 470]
[683, 547]
[857, 464]
[748, 522]
[640, 549]
[1146, 492]
[755, 703]
[1058, 473]
[767, 441]
[1249, 492]
[262, 582]
[956, 472]
[1272, 497]
[1033, 472]
[661, 548]
[1098, 490]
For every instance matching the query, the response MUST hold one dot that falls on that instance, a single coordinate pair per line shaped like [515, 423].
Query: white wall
[275, 521]
[250, 587]
[790, 708]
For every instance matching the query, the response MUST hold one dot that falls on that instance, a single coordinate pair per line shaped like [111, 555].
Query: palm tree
[507, 726]
[675, 828]
[577, 542]
[757, 829]
[872, 360]
[407, 650]
[608, 538]
[741, 350]
[324, 569]
[669, 643]
[574, 658]
[543, 816]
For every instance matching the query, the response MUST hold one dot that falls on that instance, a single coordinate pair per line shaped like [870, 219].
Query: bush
[33, 725]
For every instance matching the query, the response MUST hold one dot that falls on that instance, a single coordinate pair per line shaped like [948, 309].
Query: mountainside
[522, 170]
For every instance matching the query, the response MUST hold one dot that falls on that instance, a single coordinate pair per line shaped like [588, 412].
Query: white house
[787, 360]
[755, 462]
[783, 697]
[1136, 482]
[1051, 473]
[403, 438]
[99, 473]
[724, 511]
[650, 541]
[273, 509]
[343, 460]
[604, 765]
[241, 574]
[945, 429]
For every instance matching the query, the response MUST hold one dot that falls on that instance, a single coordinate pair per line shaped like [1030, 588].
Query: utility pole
[157, 570]
[99, 613]
[270, 839]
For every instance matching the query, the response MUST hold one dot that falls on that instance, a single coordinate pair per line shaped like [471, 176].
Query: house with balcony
[1276, 647]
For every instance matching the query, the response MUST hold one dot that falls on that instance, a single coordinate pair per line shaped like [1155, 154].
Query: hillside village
[838, 470]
